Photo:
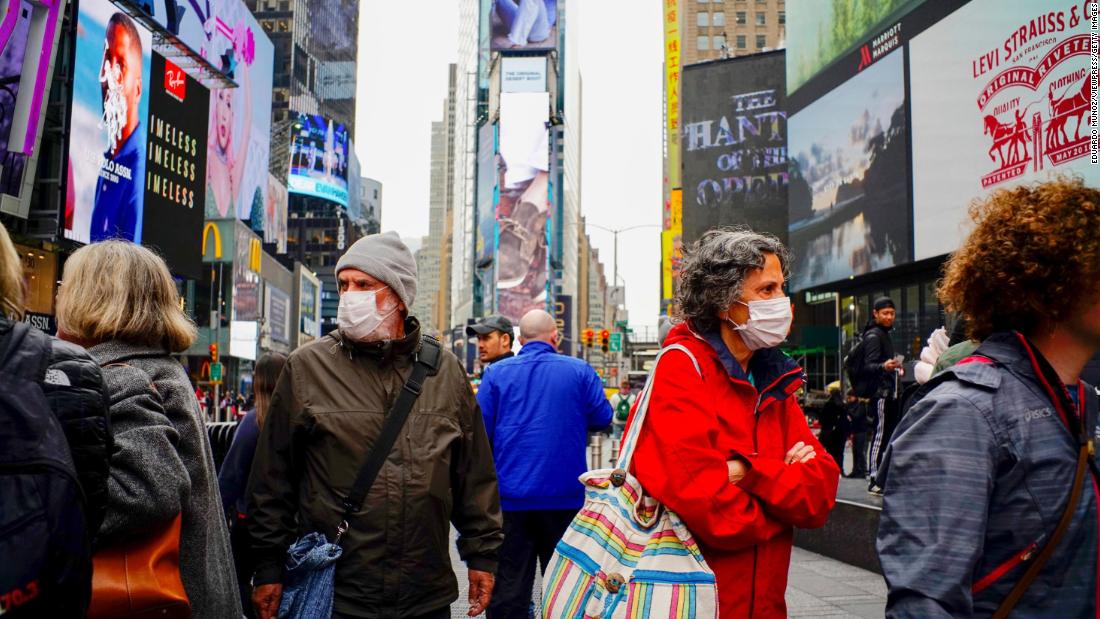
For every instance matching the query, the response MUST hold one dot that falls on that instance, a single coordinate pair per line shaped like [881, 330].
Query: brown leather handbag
[140, 578]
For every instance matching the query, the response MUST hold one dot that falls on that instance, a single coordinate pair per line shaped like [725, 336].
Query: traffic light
[605, 340]
[213, 353]
[589, 337]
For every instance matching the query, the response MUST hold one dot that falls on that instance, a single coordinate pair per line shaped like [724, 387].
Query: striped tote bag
[625, 555]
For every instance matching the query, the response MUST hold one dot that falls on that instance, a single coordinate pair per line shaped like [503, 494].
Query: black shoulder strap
[428, 358]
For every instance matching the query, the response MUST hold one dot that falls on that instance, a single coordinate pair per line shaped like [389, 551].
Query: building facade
[725, 28]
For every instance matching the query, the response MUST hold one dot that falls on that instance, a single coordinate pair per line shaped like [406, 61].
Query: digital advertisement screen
[209, 27]
[487, 173]
[175, 167]
[246, 282]
[848, 194]
[821, 31]
[319, 158]
[524, 25]
[13, 51]
[734, 146]
[277, 312]
[523, 209]
[238, 151]
[109, 125]
[308, 308]
[275, 214]
[1000, 97]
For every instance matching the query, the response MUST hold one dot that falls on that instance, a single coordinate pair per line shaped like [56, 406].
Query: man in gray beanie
[328, 409]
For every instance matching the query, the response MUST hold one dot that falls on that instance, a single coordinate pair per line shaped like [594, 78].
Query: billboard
[487, 172]
[275, 214]
[175, 166]
[672, 91]
[734, 147]
[1000, 96]
[672, 246]
[524, 203]
[107, 135]
[277, 312]
[523, 74]
[210, 28]
[319, 158]
[848, 194]
[820, 32]
[309, 307]
[246, 279]
[523, 25]
[240, 124]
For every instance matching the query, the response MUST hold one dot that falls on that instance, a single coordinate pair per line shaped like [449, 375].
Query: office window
[741, 18]
[702, 43]
[740, 41]
[703, 1]
[761, 41]
[761, 19]
[703, 19]
[719, 19]
[719, 42]
[782, 17]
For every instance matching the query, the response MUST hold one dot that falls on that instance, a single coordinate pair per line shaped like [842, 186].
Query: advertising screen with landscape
[734, 145]
[1000, 96]
[319, 158]
[848, 194]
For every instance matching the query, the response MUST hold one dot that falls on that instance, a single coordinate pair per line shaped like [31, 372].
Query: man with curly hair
[982, 508]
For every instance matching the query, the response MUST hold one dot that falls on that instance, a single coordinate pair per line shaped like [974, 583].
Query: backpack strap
[428, 358]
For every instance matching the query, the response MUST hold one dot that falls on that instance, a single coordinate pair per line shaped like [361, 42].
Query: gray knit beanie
[387, 259]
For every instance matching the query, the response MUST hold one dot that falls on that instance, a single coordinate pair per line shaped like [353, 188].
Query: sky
[401, 89]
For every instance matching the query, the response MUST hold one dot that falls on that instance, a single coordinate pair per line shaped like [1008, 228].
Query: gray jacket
[162, 465]
[977, 476]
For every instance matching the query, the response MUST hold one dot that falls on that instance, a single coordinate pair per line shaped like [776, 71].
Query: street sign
[216, 372]
[616, 343]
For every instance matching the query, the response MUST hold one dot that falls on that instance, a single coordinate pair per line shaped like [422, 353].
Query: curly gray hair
[714, 271]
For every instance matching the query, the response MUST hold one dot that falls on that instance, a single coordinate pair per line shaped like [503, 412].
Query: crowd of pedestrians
[361, 451]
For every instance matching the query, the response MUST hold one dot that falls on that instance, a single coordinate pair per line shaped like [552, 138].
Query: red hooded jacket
[694, 425]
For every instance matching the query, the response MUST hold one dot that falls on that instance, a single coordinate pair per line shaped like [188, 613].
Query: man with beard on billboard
[119, 197]
[524, 205]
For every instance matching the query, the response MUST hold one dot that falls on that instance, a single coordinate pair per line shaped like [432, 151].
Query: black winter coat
[877, 349]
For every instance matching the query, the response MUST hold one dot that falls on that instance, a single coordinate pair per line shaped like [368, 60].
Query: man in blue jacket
[539, 407]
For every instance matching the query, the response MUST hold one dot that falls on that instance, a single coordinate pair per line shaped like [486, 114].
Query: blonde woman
[53, 411]
[119, 300]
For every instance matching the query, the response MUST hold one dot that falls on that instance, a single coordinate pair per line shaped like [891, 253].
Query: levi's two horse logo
[1035, 100]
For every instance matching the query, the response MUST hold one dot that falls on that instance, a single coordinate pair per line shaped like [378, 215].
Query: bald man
[539, 407]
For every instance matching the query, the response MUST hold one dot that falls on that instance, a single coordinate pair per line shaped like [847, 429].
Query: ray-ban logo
[175, 81]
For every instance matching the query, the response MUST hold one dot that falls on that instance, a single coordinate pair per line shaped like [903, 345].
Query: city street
[818, 587]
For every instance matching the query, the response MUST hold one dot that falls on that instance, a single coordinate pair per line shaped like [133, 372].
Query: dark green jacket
[327, 409]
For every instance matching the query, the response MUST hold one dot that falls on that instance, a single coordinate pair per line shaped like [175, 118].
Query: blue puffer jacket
[539, 407]
[977, 478]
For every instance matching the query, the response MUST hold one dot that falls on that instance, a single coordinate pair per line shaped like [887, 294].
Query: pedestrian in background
[328, 408]
[725, 443]
[992, 457]
[119, 300]
[233, 477]
[835, 425]
[622, 402]
[494, 339]
[861, 430]
[878, 381]
[538, 408]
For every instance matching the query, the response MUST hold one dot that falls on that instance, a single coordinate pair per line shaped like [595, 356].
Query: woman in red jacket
[726, 445]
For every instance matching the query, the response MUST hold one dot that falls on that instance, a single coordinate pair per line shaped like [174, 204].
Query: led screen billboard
[319, 158]
[275, 214]
[246, 281]
[13, 51]
[239, 123]
[822, 31]
[734, 145]
[212, 28]
[107, 136]
[848, 194]
[487, 173]
[1000, 96]
[523, 74]
[524, 25]
[524, 203]
[175, 166]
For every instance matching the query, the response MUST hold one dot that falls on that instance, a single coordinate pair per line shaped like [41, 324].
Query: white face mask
[768, 324]
[358, 316]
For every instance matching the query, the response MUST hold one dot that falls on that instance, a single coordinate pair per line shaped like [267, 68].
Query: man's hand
[800, 452]
[737, 470]
[890, 365]
[266, 600]
[481, 591]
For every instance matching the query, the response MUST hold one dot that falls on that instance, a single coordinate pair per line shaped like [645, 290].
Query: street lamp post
[615, 232]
